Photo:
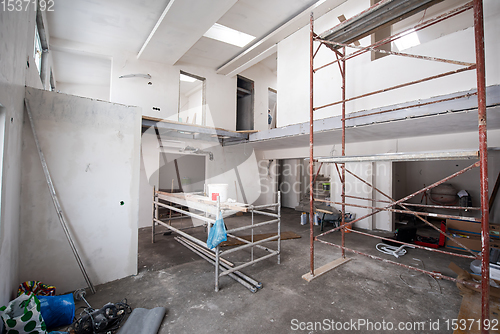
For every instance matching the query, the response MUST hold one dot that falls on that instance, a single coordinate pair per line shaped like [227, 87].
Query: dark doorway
[244, 109]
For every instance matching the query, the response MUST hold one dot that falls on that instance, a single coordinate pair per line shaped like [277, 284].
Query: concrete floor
[362, 289]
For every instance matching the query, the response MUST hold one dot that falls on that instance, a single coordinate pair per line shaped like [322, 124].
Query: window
[37, 51]
[244, 107]
[2, 142]
[41, 46]
[191, 99]
[52, 82]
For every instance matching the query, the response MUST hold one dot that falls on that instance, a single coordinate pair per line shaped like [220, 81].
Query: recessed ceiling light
[407, 41]
[228, 35]
[187, 78]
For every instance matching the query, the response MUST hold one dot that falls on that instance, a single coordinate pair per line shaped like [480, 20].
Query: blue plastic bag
[217, 233]
[57, 310]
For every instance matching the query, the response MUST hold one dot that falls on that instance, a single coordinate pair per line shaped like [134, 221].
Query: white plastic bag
[22, 315]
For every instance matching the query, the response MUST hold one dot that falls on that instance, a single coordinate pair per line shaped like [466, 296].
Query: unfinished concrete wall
[449, 40]
[92, 151]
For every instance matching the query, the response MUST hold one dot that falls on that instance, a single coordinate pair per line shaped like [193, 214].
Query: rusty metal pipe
[342, 72]
[311, 144]
[433, 274]
[435, 184]
[414, 105]
[417, 27]
[416, 246]
[483, 156]
[418, 215]
[402, 54]
[398, 86]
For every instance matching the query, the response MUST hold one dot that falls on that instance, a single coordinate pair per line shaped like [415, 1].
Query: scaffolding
[339, 39]
[202, 208]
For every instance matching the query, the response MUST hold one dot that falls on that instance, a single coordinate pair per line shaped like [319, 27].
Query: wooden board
[471, 309]
[247, 131]
[186, 198]
[326, 268]
[257, 237]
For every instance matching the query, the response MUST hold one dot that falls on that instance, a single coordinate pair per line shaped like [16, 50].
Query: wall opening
[245, 104]
[272, 110]
[181, 172]
[191, 99]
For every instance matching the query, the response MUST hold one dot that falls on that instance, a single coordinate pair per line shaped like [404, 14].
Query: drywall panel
[92, 151]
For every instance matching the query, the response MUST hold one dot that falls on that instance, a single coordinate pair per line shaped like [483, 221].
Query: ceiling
[171, 31]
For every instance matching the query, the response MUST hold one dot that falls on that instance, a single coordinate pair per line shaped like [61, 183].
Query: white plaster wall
[364, 75]
[164, 91]
[91, 179]
[90, 91]
[17, 31]
[263, 79]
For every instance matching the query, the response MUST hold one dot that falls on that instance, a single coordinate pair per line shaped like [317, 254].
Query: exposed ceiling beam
[257, 59]
[174, 33]
[297, 22]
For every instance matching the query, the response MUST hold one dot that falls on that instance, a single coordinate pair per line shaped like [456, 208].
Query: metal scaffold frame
[183, 202]
[340, 50]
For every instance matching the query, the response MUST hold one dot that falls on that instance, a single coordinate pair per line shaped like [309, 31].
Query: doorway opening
[272, 108]
[191, 99]
[245, 101]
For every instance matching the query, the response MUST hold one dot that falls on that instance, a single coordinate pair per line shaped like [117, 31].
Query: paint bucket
[316, 219]
[303, 218]
[215, 190]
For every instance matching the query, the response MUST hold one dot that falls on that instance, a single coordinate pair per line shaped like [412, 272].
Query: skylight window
[228, 35]
[407, 41]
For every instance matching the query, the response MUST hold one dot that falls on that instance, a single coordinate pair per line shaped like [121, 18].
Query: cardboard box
[472, 242]
[469, 234]
[470, 228]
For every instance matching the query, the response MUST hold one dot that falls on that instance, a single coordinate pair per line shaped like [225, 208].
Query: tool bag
[22, 315]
